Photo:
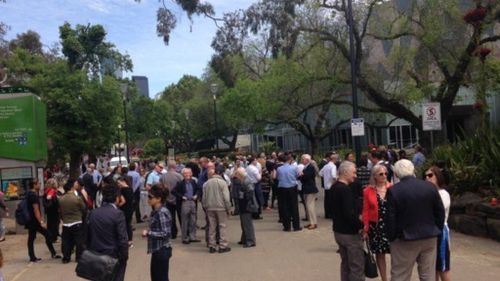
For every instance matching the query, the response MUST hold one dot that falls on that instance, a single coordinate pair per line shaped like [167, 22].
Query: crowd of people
[379, 201]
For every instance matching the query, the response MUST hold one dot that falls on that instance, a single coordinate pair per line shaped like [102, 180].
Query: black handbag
[370, 264]
[96, 267]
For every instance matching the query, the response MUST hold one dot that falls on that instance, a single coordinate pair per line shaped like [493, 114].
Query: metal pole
[215, 119]
[119, 145]
[357, 144]
[126, 128]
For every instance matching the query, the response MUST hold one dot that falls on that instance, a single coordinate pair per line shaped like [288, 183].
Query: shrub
[473, 162]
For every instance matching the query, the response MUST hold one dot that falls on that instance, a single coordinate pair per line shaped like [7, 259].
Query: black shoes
[185, 242]
[194, 240]
[212, 250]
[56, 256]
[287, 229]
[248, 245]
[297, 229]
[65, 261]
[35, 259]
[241, 242]
[224, 250]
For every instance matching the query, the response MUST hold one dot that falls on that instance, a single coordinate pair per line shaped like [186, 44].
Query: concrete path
[305, 255]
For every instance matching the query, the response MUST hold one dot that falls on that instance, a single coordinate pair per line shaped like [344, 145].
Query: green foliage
[473, 162]
[86, 49]
[81, 113]
[267, 147]
[155, 148]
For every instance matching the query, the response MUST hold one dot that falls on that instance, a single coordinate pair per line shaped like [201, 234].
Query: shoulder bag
[370, 265]
[95, 266]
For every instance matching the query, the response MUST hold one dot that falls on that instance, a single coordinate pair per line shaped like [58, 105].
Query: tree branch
[489, 39]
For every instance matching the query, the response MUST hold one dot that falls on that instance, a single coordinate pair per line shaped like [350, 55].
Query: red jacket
[370, 205]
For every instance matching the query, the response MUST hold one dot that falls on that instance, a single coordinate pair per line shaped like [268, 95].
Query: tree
[166, 20]
[434, 44]
[29, 41]
[86, 49]
[82, 110]
[82, 114]
[154, 148]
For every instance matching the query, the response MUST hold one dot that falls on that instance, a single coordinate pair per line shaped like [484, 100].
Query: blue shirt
[418, 159]
[189, 191]
[153, 178]
[136, 179]
[287, 176]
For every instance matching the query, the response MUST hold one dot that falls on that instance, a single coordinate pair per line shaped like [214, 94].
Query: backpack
[23, 215]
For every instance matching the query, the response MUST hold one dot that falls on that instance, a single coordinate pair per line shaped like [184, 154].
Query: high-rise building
[142, 85]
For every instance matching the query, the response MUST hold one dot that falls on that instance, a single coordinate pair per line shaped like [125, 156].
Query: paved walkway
[305, 255]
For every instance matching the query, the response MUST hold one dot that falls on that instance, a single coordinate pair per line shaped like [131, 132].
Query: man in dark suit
[187, 193]
[416, 218]
[107, 232]
[308, 180]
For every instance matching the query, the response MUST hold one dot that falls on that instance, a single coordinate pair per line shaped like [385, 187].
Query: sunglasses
[430, 175]
[382, 174]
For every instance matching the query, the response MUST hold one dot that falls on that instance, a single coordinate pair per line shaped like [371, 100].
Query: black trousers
[120, 272]
[274, 196]
[173, 209]
[53, 226]
[32, 230]
[266, 198]
[328, 204]
[128, 221]
[289, 206]
[160, 264]
[71, 237]
[137, 201]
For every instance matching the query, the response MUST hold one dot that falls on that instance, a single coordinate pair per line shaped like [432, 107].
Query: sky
[131, 26]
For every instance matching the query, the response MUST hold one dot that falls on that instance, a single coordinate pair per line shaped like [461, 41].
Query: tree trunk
[315, 144]
[74, 164]
[232, 145]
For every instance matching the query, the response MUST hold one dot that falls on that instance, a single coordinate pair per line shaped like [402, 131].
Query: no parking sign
[431, 116]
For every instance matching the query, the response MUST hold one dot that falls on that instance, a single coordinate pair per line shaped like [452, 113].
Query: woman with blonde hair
[375, 216]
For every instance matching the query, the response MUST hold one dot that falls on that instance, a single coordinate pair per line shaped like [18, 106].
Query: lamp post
[357, 144]
[119, 145]
[124, 89]
[213, 89]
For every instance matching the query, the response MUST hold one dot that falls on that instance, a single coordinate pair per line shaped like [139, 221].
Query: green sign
[22, 127]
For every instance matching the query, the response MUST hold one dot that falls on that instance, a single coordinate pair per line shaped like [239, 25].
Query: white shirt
[445, 197]
[329, 174]
[300, 168]
[253, 173]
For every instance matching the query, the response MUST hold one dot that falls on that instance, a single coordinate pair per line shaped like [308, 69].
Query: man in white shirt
[329, 174]
[254, 175]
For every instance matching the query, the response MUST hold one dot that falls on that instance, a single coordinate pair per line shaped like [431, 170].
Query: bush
[154, 148]
[473, 162]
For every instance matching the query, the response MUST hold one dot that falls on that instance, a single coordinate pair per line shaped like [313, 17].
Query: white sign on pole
[431, 116]
[357, 127]
[171, 154]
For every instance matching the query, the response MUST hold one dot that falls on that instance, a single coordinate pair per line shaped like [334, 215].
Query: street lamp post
[357, 144]
[213, 88]
[119, 144]
[124, 88]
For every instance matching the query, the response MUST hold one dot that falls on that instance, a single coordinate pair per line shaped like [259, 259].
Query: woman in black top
[36, 223]
[51, 205]
[126, 204]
